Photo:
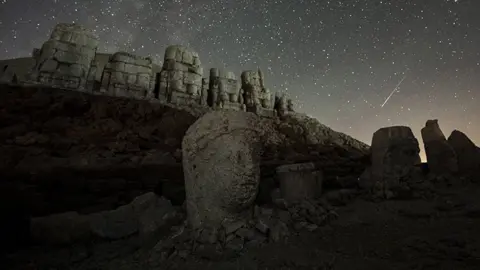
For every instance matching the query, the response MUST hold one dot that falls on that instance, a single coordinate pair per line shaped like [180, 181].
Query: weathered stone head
[394, 153]
[468, 155]
[221, 163]
[250, 78]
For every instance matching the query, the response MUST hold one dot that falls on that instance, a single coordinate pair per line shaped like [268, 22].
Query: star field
[339, 59]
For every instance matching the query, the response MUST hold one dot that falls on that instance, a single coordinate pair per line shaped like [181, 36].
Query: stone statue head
[221, 161]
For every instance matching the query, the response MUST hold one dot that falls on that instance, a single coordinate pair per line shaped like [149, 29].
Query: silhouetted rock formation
[394, 154]
[468, 154]
[440, 155]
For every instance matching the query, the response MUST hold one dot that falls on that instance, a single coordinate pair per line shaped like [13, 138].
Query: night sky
[339, 59]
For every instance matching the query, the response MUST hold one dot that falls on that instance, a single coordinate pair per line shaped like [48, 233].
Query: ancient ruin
[128, 75]
[256, 96]
[440, 155]
[224, 91]
[394, 153]
[69, 60]
[468, 154]
[65, 59]
[181, 76]
[221, 162]
[299, 181]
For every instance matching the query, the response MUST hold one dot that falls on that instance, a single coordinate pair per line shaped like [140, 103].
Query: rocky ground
[440, 232]
[66, 151]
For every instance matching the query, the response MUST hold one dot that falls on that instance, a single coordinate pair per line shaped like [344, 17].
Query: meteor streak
[394, 90]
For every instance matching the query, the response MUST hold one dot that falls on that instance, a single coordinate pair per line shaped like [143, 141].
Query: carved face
[236, 171]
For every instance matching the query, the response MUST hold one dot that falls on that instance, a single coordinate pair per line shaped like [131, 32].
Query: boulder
[221, 162]
[468, 154]
[143, 215]
[59, 229]
[441, 157]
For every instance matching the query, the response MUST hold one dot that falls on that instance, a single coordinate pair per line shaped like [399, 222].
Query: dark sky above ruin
[339, 59]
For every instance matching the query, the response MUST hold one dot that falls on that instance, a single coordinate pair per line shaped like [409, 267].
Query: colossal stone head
[221, 163]
[394, 153]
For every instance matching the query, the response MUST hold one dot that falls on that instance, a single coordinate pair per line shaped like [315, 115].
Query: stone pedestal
[263, 112]
[299, 181]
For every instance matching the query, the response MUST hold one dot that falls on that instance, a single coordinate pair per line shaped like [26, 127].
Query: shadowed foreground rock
[221, 161]
[394, 153]
[468, 154]
[441, 157]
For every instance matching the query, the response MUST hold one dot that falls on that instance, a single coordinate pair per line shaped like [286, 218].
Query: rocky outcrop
[144, 215]
[221, 162]
[468, 154]
[70, 151]
[441, 157]
[394, 154]
[65, 59]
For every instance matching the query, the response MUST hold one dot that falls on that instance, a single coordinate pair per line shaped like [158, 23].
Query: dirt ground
[437, 233]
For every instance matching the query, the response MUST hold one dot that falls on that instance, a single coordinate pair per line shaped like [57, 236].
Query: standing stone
[468, 154]
[441, 157]
[224, 90]
[299, 181]
[394, 154]
[257, 97]
[181, 76]
[221, 163]
[128, 75]
[65, 59]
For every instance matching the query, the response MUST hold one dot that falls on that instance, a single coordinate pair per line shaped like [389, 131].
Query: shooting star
[394, 90]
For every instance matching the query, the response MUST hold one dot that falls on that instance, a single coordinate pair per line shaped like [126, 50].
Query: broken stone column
[468, 154]
[299, 181]
[221, 163]
[64, 60]
[394, 154]
[441, 157]
[128, 75]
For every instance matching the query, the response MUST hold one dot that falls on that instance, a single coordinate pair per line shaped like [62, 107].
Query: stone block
[50, 65]
[192, 78]
[182, 98]
[77, 70]
[234, 106]
[187, 58]
[299, 181]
